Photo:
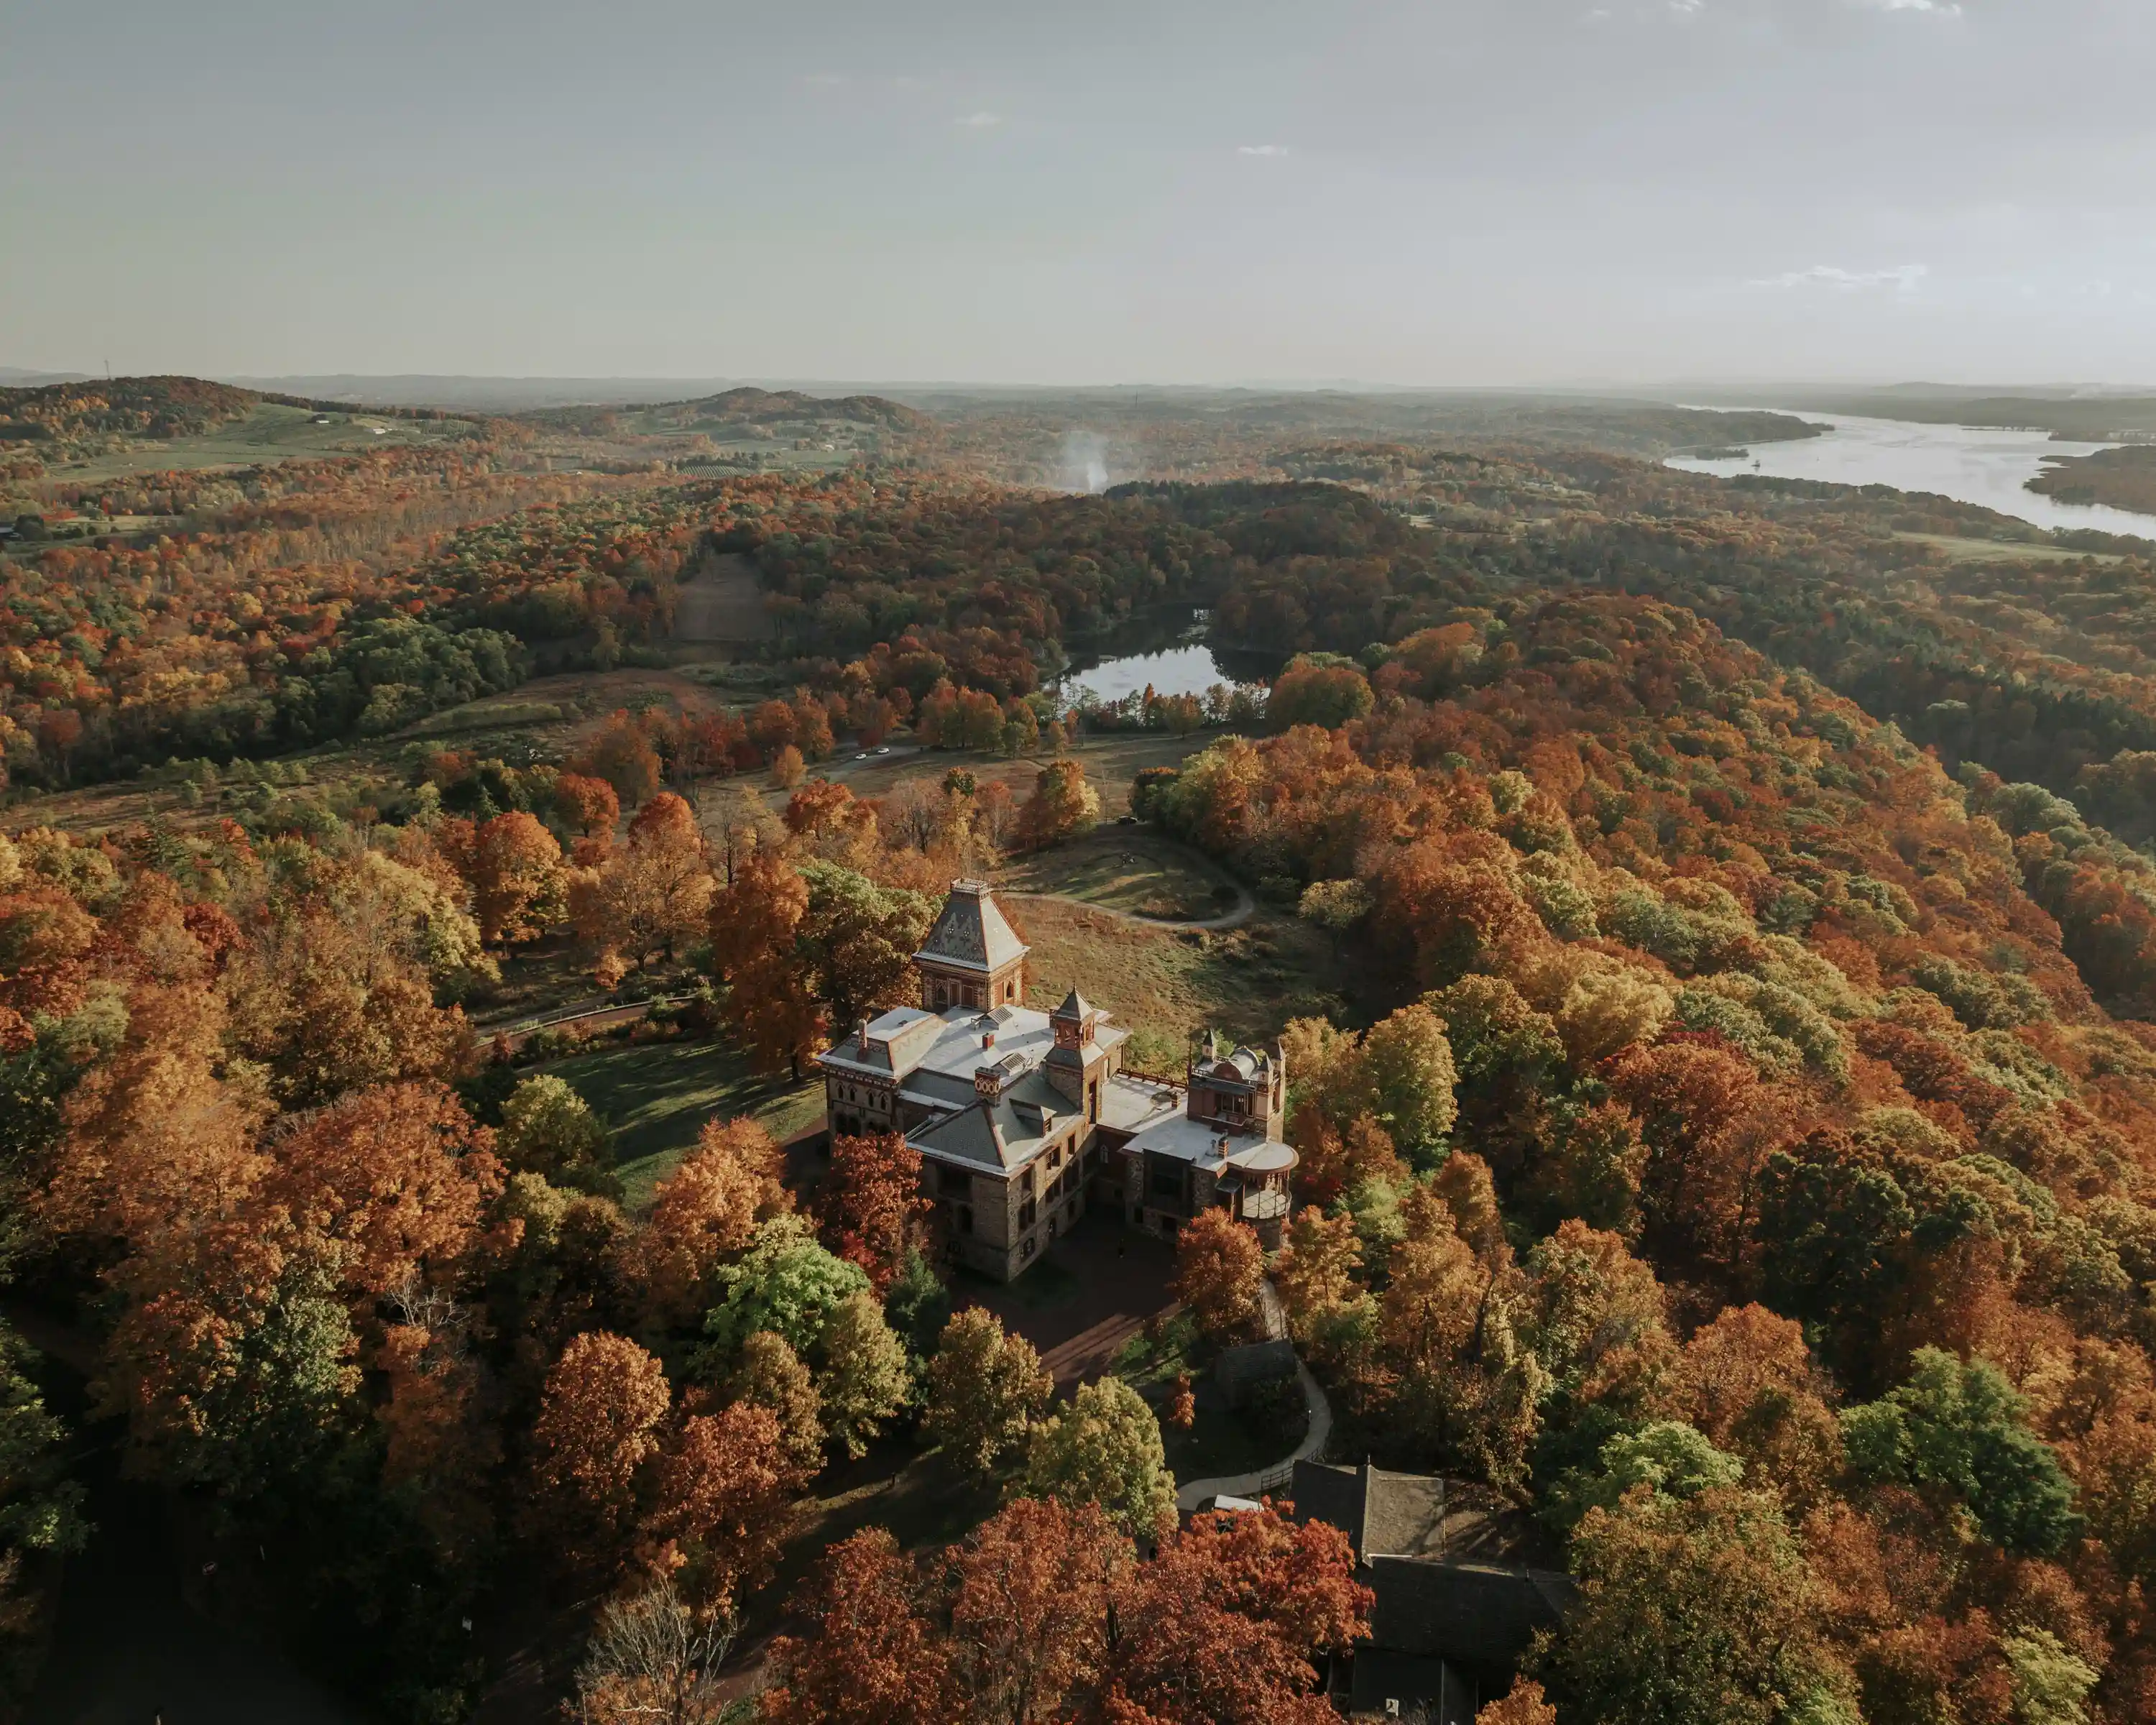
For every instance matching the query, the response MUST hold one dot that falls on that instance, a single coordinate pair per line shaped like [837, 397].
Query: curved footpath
[1273, 1479]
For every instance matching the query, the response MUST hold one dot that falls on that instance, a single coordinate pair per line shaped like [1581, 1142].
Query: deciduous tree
[871, 1656]
[1031, 1592]
[865, 1378]
[1063, 806]
[547, 1128]
[985, 1391]
[587, 805]
[770, 999]
[655, 893]
[870, 1203]
[513, 866]
[1698, 1612]
[1105, 1449]
[719, 1503]
[704, 1211]
[600, 1421]
[772, 1375]
[1219, 1267]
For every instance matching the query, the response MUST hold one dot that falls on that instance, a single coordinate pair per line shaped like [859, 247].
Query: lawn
[656, 1097]
[1246, 982]
[1125, 869]
[1222, 1443]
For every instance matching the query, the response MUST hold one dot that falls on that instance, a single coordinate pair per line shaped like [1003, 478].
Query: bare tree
[653, 1661]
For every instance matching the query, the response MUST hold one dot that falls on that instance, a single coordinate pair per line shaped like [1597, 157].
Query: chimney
[987, 1039]
[861, 1038]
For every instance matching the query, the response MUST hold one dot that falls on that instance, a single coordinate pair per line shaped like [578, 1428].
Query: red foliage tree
[871, 1203]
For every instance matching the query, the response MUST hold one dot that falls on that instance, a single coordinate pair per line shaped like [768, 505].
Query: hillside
[786, 412]
[2124, 478]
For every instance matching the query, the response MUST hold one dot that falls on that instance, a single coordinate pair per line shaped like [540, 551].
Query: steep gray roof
[971, 931]
[1074, 1006]
[1415, 1515]
[1469, 1612]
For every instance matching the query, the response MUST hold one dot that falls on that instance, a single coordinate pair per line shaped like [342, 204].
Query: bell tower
[972, 957]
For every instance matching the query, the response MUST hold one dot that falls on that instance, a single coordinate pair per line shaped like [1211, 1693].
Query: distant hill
[2073, 416]
[731, 408]
[59, 420]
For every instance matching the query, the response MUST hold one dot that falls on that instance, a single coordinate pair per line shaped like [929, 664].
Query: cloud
[1937, 9]
[1261, 149]
[980, 121]
[1903, 278]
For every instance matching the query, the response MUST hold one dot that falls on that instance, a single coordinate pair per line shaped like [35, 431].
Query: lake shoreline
[1987, 466]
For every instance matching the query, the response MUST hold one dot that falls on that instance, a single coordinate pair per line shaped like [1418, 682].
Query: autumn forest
[1710, 924]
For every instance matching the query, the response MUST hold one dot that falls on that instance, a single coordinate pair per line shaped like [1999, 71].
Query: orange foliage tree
[1218, 1267]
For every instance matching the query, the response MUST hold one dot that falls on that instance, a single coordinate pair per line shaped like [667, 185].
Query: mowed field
[722, 601]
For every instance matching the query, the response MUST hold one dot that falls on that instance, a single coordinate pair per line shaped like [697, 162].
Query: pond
[1166, 651]
[1971, 464]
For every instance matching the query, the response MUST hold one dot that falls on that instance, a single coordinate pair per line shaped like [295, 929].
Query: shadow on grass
[655, 1096]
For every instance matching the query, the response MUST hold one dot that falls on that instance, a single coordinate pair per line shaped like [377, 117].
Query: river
[1971, 464]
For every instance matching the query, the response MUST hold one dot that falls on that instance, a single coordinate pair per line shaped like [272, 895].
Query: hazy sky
[1467, 192]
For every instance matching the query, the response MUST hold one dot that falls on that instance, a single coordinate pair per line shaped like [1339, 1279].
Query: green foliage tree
[1962, 1431]
[1319, 689]
[1406, 1079]
[548, 1129]
[865, 1379]
[1665, 1455]
[1105, 1448]
[785, 1283]
[985, 1391]
[1698, 1611]
[858, 939]
[917, 1305]
[40, 1515]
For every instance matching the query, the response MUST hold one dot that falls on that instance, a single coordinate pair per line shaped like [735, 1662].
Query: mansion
[1024, 1117]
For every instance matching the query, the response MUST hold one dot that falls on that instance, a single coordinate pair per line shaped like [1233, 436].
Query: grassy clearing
[1995, 551]
[1159, 1352]
[1223, 1442]
[1125, 869]
[1245, 983]
[656, 1097]
[270, 433]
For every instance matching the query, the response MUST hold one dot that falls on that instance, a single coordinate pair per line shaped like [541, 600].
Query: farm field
[270, 432]
[1999, 550]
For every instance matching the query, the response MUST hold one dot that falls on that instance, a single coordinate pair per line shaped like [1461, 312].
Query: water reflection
[1167, 652]
[1971, 464]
